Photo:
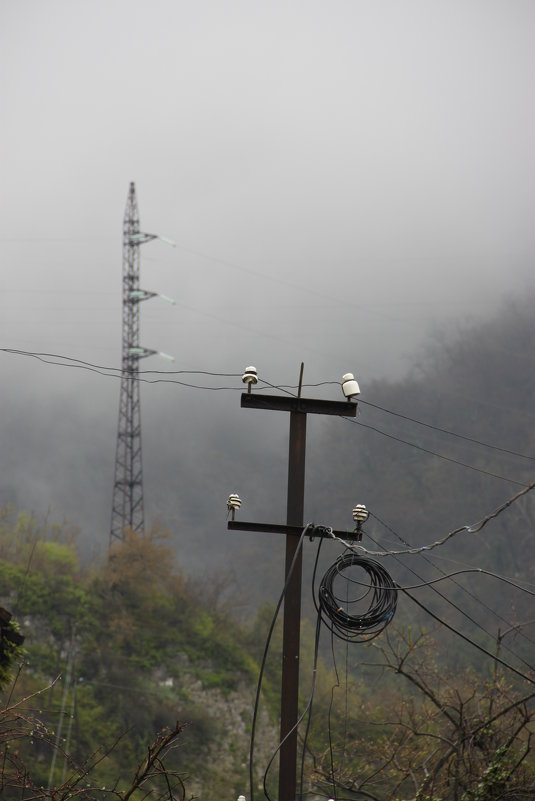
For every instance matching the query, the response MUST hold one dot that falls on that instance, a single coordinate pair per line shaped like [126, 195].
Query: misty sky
[343, 181]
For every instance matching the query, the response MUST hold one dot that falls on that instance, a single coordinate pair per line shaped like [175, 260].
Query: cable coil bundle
[357, 626]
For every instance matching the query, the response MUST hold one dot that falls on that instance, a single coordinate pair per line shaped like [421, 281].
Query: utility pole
[299, 408]
[128, 504]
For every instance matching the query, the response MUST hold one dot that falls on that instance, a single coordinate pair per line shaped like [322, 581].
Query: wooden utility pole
[299, 408]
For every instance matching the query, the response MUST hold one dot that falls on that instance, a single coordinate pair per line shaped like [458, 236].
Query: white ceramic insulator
[234, 501]
[250, 375]
[360, 513]
[350, 387]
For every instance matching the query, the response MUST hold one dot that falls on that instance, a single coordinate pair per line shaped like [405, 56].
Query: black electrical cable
[447, 431]
[452, 603]
[414, 445]
[494, 657]
[434, 453]
[358, 626]
[444, 577]
[117, 372]
[474, 528]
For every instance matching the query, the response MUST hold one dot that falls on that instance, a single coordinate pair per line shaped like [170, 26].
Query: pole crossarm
[288, 403]
[296, 531]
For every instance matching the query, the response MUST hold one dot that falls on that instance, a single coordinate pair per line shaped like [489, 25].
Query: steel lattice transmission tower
[127, 504]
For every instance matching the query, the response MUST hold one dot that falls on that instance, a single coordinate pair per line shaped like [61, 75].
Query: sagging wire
[433, 453]
[447, 431]
[467, 639]
[414, 445]
[475, 528]
[466, 591]
[430, 426]
[117, 371]
[480, 570]
[405, 588]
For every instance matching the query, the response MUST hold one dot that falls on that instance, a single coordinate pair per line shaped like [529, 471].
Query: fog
[344, 182]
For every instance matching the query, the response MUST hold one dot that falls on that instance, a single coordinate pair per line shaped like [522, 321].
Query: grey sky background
[344, 181]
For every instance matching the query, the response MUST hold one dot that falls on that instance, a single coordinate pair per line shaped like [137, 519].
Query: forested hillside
[137, 650]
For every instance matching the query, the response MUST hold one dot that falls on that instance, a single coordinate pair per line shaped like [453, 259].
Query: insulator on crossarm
[350, 387]
[250, 377]
[233, 503]
[360, 515]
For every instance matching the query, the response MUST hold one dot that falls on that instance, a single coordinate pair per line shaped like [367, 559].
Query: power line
[414, 445]
[478, 625]
[467, 639]
[470, 594]
[458, 608]
[473, 529]
[450, 433]
[439, 455]
[447, 576]
[463, 565]
[116, 373]
[114, 369]
[430, 426]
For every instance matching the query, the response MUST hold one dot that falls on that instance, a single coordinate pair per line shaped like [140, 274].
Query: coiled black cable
[345, 616]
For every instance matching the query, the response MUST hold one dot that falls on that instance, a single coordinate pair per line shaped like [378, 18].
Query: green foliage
[113, 634]
[11, 651]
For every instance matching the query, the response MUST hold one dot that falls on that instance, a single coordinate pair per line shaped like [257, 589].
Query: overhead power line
[413, 444]
[430, 426]
[467, 639]
[473, 529]
[447, 576]
[439, 455]
[447, 431]
[114, 372]
[456, 606]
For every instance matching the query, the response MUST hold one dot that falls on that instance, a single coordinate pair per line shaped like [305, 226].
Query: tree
[449, 737]
[19, 726]
[11, 641]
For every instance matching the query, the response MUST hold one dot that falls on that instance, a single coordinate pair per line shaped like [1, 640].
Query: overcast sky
[342, 179]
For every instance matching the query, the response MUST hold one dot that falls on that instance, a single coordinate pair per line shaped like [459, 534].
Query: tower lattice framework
[127, 505]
